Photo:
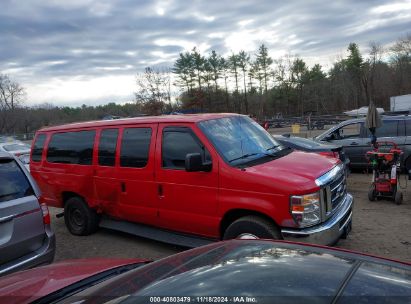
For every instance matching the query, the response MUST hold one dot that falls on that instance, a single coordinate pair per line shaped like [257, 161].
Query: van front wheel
[252, 227]
[79, 218]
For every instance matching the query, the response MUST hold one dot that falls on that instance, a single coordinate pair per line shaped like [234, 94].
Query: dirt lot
[380, 228]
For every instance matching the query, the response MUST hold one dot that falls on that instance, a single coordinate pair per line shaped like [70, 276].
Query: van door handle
[123, 187]
[160, 191]
[354, 143]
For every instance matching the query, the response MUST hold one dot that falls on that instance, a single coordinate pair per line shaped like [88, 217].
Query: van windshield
[239, 139]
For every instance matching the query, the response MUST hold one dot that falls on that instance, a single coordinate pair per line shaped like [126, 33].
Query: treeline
[26, 120]
[255, 83]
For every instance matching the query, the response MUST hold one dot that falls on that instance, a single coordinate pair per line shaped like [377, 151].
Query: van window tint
[38, 147]
[13, 182]
[177, 144]
[387, 129]
[71, 148]
[408, 127]
[107, 147]
[135, 146]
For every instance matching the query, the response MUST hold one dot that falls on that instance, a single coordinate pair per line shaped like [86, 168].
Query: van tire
[79, 218]
[254, 226]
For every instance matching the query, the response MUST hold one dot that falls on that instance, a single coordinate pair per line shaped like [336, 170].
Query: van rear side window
[38, 148]
[107, 147]
[71, 148]
[135, 146]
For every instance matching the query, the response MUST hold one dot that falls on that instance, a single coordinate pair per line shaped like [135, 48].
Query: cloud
[93, 41]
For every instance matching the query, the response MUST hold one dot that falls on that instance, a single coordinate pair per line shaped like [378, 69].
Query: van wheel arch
[234, 215]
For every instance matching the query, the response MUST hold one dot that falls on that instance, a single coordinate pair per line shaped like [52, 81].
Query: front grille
[338, 190]
[334, 193]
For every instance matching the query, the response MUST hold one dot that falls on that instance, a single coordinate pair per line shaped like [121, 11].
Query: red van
[186, 179]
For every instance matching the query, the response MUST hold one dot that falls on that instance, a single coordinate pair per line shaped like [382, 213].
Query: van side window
[71, 148]
[177, 143]
[13, 182]
[38, 147]
[387, 129]
[135, 146]
[349, 131]
[107, 147]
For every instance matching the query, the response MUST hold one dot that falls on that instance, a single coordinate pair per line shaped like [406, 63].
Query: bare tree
[12, 96]
[153, 91]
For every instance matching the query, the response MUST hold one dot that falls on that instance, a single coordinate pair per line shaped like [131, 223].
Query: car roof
[188, 118]
[5, 155]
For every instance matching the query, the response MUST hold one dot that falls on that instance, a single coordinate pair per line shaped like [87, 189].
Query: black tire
[398, 198]
[371, 193]
[320, 126]
[79, 218]
[253, 225]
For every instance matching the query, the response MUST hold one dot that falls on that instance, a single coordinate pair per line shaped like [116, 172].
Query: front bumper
[43, 255]
[327, 233]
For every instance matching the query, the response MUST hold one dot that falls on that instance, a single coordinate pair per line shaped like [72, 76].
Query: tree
[354, 64]
[299, 78]
[153, 91]
[198, 64]
[264, 62]
[216, 65]
[233, 62]
[243, 64]
[12, 96]
[184, 68]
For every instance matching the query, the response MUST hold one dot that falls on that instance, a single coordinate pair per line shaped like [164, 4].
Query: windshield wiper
[272, 148]
[243, 156]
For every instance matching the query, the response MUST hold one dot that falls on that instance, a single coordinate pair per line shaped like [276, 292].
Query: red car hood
[29, 285]
[296, 171]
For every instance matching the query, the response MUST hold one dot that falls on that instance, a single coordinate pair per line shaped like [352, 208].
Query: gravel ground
[380, 228]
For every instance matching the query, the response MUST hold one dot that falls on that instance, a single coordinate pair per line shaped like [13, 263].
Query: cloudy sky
[71, 52]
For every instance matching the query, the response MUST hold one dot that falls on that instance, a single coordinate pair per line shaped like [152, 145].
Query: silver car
[26, 239]
[356, 138]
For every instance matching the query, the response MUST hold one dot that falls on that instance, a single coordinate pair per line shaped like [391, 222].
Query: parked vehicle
[356, 138]
[26, 239]
[309, 145]
[19, 149]
[214, 176]
[400, 103]
[224, 272]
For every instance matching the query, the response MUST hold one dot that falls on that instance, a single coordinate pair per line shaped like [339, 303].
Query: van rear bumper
[327, 233]
[43, 255]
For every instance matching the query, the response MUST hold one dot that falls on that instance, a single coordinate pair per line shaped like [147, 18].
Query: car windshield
[16, 147]
[239, 139]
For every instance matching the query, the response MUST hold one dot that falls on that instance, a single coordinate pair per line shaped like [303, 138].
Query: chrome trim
[330, 175]
[8, 218]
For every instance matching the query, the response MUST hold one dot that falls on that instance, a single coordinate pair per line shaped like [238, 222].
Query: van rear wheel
[79, 218]
[252, 227]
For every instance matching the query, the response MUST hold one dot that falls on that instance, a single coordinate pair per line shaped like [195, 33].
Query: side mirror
[194, 163]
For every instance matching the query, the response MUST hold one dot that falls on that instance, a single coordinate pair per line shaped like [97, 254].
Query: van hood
[296, 171]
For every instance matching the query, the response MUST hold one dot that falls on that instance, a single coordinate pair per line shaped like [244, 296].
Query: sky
[74, 52]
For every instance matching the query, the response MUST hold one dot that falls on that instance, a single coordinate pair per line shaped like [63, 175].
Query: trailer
[400, 103]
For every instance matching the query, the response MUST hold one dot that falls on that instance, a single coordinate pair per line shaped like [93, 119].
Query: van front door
[188, 201]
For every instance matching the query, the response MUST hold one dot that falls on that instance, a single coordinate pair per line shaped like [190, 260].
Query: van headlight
[306, 209]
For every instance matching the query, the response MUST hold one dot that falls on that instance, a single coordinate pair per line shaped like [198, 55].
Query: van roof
[187, 118]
